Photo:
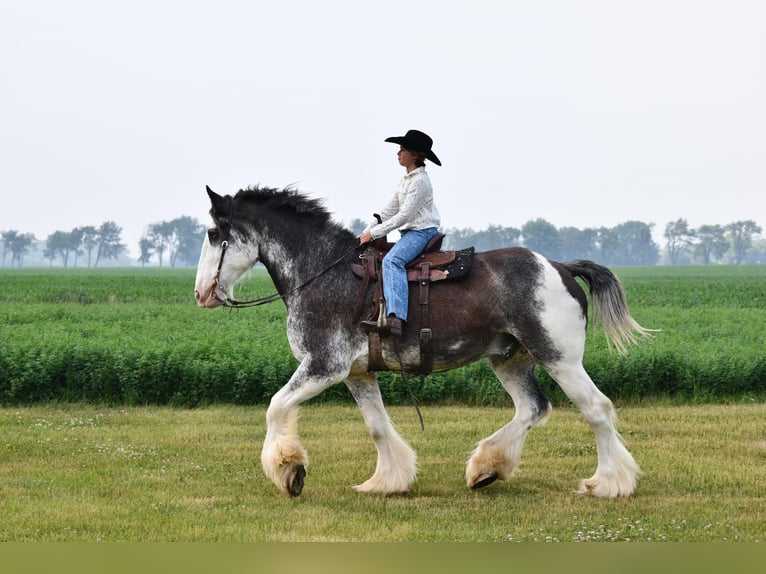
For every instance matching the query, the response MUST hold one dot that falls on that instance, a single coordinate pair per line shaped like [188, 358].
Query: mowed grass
[74, 472]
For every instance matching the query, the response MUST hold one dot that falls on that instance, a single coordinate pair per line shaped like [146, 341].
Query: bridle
[234, 303]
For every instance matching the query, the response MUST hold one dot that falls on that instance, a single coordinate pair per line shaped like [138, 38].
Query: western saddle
[430, 266]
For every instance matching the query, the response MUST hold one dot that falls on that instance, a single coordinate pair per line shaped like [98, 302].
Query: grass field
[88, 473]
[93, 445]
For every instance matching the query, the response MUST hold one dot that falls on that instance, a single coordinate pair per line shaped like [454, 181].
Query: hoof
[296, 484]
[484, 480]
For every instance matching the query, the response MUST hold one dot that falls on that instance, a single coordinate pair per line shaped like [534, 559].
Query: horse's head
[228, 253]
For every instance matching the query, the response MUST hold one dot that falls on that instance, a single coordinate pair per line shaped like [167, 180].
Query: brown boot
[395, 325]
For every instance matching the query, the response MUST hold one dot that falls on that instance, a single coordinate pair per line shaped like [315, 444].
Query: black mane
[288, 200]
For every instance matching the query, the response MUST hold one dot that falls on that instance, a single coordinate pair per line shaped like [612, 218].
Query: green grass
[135, 336]
[86, 473]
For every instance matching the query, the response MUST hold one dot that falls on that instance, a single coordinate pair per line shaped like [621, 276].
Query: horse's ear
[215, 199]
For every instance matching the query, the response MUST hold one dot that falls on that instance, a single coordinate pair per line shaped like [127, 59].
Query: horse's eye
[212, 234]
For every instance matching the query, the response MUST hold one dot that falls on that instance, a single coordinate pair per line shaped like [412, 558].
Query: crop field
[135, 337]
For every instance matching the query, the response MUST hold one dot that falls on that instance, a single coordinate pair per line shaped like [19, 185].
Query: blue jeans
[395, 288]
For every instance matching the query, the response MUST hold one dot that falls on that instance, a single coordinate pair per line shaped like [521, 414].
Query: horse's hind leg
[499, 455]
[617, 471]
[397, 463]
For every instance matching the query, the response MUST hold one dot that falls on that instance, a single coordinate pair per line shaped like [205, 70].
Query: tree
[578, 243]
[458, 238]
[75, 238]
[160, 235]
[756, 255]
[357, 226]
[741, 233]
[63, 244]
[496, 236]
[89, 239]
[18, 244]
[49, 253]
[710, 242]
[8, 238]
[109, 244]
[608, 245]
[58, 244]
[187, 240]
[635, 244]
[146, 248]
[679, 237]
[181, 238]
[541, 236]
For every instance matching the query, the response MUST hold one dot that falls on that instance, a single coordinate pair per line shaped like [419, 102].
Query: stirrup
[371, 326]
[374, 327]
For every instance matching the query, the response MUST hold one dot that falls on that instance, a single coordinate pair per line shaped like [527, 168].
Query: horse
[515, 308]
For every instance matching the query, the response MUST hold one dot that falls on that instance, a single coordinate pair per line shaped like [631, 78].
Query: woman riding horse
[412, 211]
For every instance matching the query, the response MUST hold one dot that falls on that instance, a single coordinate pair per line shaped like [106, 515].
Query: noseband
[233, 303]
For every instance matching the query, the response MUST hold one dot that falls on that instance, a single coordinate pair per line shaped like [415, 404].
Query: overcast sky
[584, 113]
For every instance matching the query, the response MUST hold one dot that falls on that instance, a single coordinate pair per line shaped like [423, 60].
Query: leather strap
[426, 351]
[360, 299]
[375, 360]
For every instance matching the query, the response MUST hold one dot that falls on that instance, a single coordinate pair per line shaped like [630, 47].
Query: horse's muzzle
[212, 297]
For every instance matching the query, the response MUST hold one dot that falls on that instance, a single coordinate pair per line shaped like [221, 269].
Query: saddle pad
[461, 265]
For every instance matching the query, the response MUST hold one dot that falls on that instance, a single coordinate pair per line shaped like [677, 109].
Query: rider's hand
[364, 237]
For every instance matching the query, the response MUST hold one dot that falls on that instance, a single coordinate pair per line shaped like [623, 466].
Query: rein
[235, 304]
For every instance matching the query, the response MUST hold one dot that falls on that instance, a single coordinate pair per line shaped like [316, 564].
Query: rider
[412, 211]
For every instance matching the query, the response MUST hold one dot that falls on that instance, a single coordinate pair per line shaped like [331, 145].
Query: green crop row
[136, 337]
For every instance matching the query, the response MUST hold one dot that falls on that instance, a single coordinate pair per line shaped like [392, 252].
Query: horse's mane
[287, 199]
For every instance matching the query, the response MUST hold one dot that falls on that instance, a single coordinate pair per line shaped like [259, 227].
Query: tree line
[98, 243]
[708, 244]
[177, 243]
[180, 239]
[629, 243]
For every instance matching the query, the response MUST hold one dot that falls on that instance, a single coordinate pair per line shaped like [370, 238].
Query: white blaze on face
[206, 291]
[239, 259]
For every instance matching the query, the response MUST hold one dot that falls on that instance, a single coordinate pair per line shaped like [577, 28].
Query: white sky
[582, 112]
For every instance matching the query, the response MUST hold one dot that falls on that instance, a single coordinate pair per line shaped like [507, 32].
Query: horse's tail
[609, 305]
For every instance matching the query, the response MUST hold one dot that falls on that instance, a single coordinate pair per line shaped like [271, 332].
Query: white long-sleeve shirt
[411, 207]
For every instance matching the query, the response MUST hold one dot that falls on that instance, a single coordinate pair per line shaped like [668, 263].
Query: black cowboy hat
[416, 141]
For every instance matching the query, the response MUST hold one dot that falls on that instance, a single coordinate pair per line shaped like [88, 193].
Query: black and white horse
[516, 308]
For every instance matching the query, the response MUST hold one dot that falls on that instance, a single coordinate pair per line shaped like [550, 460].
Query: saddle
[430, 266]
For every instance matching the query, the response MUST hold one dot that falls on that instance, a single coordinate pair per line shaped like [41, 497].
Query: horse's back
[510, 291]
[516, 270]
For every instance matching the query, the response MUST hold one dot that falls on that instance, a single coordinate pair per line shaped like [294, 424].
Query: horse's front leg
[283, 458]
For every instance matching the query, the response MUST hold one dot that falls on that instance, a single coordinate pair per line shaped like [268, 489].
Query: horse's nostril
[197, 295]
